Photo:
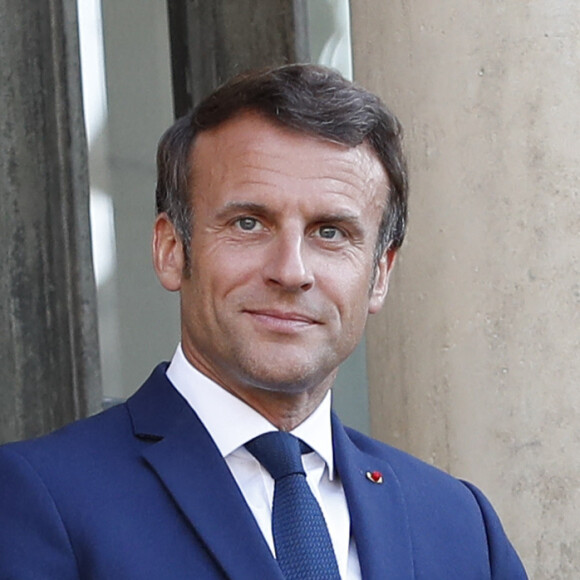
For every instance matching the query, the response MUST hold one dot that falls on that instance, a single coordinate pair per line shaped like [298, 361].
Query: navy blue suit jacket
[141, 492]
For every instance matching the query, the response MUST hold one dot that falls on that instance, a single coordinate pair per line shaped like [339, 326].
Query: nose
[287, 264]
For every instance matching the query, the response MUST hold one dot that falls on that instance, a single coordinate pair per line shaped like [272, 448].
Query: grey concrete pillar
[474, 365]
[49, 373]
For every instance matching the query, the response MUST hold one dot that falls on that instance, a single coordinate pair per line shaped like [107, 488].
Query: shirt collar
[232, 423]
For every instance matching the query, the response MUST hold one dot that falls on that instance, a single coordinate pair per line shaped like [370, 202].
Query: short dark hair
[307, 98]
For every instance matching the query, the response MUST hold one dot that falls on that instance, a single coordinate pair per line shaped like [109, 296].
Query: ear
[381, 283]
[168, 254]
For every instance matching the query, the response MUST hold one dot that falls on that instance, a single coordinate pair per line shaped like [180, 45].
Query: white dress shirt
[232, 423]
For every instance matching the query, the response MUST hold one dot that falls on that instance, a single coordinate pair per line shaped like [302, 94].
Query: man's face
[282, 274]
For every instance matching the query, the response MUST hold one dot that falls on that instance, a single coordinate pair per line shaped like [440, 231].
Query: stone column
[474, 364]
[48, 343]
[212, 40]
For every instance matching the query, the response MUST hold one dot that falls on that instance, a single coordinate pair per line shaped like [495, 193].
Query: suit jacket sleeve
[33, 540]
[503, 560]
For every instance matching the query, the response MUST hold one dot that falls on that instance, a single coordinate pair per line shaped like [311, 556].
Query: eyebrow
[338, 218]
[233, 207]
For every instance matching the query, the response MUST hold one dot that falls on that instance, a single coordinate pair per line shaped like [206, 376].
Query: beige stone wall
[474, 365]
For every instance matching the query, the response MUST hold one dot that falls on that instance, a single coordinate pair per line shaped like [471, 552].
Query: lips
[297, 316]
[281, 320]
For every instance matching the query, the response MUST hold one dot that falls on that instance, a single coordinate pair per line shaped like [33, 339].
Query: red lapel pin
[375, 476]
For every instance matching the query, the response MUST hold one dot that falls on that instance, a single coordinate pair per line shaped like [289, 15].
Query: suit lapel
[378, 513]
[194, 473]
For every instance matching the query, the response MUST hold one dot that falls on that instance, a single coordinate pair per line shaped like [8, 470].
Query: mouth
[282, 321]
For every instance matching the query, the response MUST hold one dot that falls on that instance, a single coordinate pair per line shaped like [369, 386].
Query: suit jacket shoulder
[137, 492]
[428, 522]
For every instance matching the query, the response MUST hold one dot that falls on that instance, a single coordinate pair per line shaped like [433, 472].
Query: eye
[248, 224]
[330, 233]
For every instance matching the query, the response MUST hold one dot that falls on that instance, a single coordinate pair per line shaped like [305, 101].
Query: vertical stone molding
[474, 364]
[212, 40]
[48, 343]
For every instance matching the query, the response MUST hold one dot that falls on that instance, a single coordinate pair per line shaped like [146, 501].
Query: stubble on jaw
[287, 409]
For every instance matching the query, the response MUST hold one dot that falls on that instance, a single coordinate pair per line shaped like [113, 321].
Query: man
[281, 205]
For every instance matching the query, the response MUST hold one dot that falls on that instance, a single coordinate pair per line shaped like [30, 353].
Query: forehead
[253, 149]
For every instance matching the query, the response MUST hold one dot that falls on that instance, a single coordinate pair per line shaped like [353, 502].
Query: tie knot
[279, 452]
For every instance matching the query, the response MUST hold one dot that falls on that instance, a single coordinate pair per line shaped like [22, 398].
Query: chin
[291, 380]
[284, 368]
[287, 386]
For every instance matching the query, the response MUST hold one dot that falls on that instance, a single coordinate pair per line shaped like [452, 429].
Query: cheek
[348, 280]
[351, 297]
[223, 271]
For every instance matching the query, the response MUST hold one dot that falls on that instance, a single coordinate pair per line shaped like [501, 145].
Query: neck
[284, 410]
[285, 405]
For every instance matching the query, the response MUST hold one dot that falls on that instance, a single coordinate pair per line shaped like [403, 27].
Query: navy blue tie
[303, 546]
